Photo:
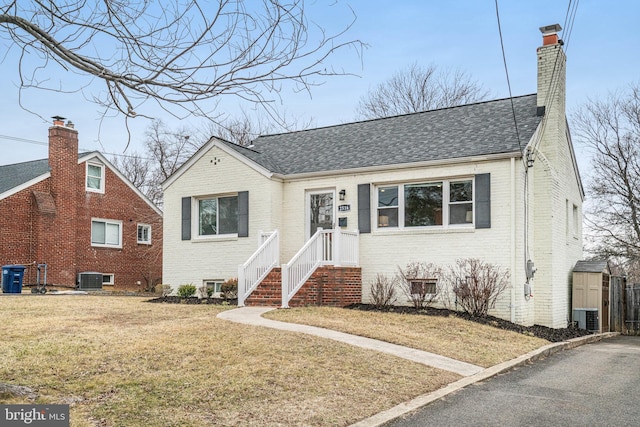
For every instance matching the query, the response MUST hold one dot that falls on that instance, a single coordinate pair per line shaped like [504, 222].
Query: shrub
[186, 291]
[229, 289]
[202, 292]
[477, 285]
[383, 291]
[163, 289]
[420, 282]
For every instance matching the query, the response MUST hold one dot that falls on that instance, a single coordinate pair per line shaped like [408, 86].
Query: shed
[590, 297]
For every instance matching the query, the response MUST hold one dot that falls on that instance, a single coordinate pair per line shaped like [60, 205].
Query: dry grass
[122, 362]
[448, 336]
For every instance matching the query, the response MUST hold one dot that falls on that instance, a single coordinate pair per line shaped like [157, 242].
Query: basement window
[214, 286]
[423, 286]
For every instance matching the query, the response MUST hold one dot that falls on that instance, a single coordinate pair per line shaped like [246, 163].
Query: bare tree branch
[418, 89]
[611, 130]
[178, 53]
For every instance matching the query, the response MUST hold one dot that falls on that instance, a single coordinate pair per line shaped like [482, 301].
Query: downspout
[513, 240]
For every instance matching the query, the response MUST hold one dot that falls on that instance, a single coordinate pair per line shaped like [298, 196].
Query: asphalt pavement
[596, 384]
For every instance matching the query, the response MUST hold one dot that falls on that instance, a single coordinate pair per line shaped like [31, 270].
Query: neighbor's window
[576, 221]
[425, 204]
[217, 216]
[108, 279]
[95, 177]
[144, 234]
[106, 233]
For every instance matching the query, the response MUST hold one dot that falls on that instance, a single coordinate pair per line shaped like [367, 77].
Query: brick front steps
[328, 286]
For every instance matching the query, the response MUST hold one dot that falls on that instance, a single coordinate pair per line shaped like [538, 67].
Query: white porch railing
[326, 247]
[256, 268]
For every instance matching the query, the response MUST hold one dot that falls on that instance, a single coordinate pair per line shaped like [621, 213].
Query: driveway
[595, 384]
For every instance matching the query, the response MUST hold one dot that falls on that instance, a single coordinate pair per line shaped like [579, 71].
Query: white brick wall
[196, 260]
[556, 246]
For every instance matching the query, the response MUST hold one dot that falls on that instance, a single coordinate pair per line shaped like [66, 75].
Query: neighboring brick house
[77, 213]
[435, 186]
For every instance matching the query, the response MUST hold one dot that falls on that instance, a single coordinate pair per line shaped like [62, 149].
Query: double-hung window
[144, 234]
[425, 204]
[217, 216]
[95, 177]
[106, 233]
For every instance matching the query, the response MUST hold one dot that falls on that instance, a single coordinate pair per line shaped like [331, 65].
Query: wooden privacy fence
[625, 307]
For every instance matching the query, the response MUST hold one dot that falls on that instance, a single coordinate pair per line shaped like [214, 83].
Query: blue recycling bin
[12, 278]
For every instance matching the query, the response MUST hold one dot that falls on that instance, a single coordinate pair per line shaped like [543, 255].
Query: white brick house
[434, 186]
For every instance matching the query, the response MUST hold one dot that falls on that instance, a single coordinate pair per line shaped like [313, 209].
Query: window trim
[446, 204]
[107, 221]
[111, 281]
[102, 177]
[143, 242]
[195, 212]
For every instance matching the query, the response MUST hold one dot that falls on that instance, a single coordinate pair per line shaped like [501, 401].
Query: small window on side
[95, 178]
[144, 234]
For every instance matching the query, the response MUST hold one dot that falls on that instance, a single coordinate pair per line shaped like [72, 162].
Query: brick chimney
[63, 162]
[552, 87]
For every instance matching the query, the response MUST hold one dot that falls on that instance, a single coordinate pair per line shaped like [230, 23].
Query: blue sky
[602, 50]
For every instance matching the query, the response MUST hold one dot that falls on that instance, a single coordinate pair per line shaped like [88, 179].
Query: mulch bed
[193, 300]
[549, 334]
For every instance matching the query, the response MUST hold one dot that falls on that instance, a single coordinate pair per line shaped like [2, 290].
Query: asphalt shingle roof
[470, 130]
[17, 174]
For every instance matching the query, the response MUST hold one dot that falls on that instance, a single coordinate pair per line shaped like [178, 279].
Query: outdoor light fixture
[342, 194]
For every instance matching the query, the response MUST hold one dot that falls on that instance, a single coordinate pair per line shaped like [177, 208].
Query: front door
[320, 211]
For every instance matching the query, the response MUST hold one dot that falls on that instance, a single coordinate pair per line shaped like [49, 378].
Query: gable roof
[18, 176]
[480, 129]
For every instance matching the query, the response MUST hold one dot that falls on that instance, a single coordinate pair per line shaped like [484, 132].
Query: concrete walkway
[472, 374]
[253, 316]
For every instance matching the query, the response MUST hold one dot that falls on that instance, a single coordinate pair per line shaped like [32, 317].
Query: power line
[506, 71]
[29, 141]
[46, 144]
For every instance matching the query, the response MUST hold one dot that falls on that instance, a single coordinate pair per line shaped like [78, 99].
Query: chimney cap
[58, 118]
[550, 29]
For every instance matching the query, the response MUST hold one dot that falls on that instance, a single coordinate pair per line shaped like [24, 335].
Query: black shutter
[364, 208]
[186, 218]
[483, 200]
[243, 214]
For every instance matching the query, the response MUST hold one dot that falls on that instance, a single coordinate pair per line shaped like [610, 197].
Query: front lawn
[450, 336]
[120, 361]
